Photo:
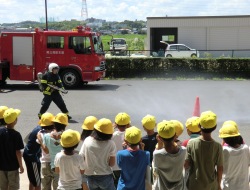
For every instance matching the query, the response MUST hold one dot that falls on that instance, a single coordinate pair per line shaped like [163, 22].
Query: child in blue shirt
[132, 161]
[51, 143]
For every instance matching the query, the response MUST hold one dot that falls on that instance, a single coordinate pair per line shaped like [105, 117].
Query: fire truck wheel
[70, 78]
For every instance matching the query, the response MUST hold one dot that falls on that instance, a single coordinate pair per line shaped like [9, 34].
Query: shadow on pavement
[73, 121]
[33, 87]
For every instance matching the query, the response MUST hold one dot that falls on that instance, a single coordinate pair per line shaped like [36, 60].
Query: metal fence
[202, 53]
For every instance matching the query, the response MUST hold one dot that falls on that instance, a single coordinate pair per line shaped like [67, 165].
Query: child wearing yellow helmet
[236, 158]
[98, 151]
[193, 129]
[32, 150]
[87, 129]
[2, 110]
[68, 164]
[51, 143]
[231, 122]
[168, 162]
[122, 122]
[133, 161]
[149, 140]
[10, 151]
[204, 157]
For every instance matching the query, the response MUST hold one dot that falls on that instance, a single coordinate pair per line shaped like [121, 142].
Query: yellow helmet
[231, 122]
[70, 138]
[104, 126]
[133, 135]
[148, 122]
[192, 124]
[178, 127]
[46, 119]
[10, 115]
[166, 129]
[2, 110]
[89, 122]
[61, 118]
[122, 119]
[228, 130]
[208, 120]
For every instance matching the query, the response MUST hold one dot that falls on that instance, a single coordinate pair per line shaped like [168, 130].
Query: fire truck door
[22, 58]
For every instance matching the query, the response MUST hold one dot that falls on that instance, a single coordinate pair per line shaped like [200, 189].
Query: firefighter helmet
[53, 66]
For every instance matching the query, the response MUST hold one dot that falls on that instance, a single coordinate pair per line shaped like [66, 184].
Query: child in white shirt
[68, 164]
[236, 159]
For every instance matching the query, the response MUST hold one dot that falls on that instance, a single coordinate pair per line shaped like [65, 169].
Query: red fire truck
[79, 53]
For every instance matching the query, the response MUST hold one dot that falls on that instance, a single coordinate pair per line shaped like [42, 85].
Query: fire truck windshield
[98, 44]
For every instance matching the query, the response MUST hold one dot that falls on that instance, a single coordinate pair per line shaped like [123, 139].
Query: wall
[207, 33]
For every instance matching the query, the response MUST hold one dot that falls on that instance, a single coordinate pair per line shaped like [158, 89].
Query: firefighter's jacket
[53, 79]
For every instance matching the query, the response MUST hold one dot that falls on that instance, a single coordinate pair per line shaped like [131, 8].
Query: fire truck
[79, 53]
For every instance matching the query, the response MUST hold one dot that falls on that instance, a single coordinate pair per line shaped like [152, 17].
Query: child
[46, 172]
[133, 162]
[51, 143]
[168, 162]
[236, 126]
[68, 164]
[32, 152]
[87, 129]
[98, 151]
[2, 110]
[204, 156]
[88, 126]
[122, 121]
[11, 143]
[236, 159]
[149, 140]
[178, 130]
[193, 129]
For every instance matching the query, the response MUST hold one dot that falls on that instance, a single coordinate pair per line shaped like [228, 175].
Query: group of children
[117, 156]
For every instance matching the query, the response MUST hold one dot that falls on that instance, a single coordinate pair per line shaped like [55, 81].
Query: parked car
[180, 50]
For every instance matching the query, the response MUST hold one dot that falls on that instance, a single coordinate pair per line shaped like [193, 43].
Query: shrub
[175, 67]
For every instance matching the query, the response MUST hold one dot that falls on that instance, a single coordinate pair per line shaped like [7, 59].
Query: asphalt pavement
[165, 99]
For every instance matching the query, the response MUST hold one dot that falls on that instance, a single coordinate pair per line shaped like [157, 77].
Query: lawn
[134, 41]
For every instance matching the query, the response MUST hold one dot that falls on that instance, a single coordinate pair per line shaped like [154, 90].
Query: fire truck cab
[79, 54]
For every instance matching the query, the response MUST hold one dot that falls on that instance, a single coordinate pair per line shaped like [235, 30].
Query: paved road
[166, 99]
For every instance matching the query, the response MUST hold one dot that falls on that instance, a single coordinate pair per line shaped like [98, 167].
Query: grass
[130, 38]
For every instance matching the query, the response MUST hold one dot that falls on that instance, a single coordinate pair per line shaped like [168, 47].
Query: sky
[12, 11]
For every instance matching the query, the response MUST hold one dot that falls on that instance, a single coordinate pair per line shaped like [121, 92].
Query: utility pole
[46, 17]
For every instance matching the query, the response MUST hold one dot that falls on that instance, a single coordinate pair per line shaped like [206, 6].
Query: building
[200, 32]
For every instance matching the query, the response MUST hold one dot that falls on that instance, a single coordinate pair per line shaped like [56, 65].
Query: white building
[200, 32]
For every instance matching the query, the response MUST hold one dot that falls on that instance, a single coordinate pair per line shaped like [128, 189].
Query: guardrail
[244, 53]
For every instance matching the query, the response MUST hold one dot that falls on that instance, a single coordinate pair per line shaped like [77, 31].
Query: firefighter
[50, 94]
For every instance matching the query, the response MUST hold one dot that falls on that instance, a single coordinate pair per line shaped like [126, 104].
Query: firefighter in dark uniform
[50, 94]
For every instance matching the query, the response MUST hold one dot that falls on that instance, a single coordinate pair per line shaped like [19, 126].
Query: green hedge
[176, 67]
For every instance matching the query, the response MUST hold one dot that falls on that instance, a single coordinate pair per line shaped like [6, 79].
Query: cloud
[114, 10]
